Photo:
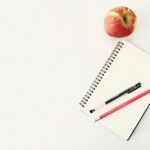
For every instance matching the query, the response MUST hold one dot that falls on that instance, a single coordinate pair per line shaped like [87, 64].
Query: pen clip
[138, 85]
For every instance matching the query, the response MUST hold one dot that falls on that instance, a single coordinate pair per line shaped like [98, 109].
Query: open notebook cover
[126, 66]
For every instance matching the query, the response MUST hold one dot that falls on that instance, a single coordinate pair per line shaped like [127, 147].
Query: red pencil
[123, 105]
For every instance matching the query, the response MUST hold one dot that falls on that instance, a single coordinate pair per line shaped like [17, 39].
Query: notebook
[126, 66]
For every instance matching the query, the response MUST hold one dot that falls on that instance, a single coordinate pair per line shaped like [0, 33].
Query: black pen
[127, 91]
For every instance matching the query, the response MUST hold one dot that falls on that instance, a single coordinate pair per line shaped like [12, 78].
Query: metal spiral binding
[101, 74]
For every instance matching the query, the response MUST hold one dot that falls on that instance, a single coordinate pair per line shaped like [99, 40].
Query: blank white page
[130, 66]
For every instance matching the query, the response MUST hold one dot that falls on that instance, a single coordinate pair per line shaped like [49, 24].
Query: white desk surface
[50, 52]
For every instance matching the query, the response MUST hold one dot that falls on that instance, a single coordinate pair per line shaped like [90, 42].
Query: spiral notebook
[125, 66]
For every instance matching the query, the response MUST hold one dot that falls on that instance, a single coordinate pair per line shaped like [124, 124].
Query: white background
[50, 52]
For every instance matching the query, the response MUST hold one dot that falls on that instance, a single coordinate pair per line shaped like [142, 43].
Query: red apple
[120, 22]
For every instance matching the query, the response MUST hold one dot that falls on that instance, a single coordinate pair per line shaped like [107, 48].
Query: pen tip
[97, 119]
[138, 84]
